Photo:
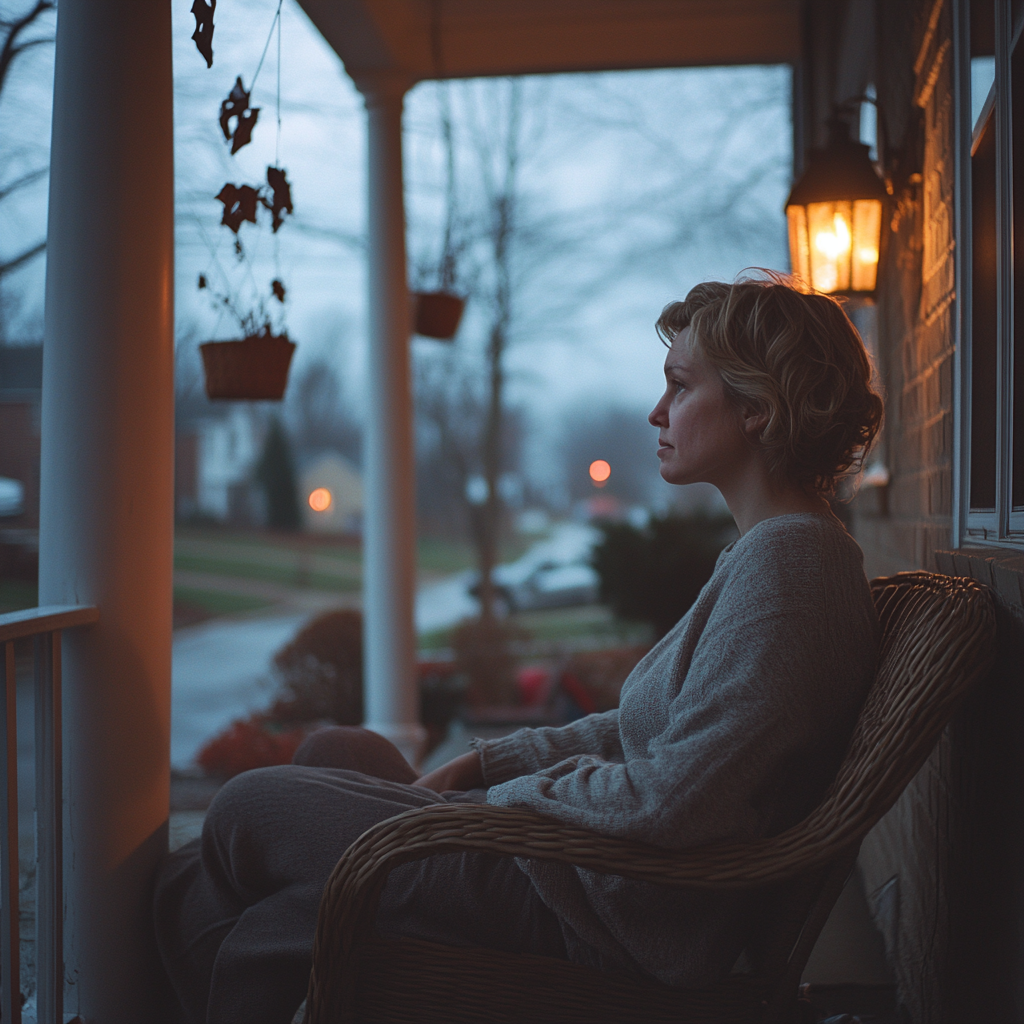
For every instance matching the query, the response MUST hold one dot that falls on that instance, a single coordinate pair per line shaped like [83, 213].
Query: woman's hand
[463, 772]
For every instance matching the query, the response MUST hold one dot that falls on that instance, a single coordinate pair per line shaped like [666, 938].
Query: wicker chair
[937, 643]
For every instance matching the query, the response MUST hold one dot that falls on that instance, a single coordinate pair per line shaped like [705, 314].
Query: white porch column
[106, 525]
[389, 531]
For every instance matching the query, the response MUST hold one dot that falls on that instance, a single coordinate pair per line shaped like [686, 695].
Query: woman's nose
[656, 417]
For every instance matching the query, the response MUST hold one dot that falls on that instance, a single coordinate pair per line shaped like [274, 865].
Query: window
[989, 456]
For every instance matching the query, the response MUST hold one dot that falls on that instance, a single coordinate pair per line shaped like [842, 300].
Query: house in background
[214, 463]
[331, 495]
[21, 376]
[21, 379]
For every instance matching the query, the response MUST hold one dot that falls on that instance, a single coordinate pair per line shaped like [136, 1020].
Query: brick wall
[944, 870]
[903, 528]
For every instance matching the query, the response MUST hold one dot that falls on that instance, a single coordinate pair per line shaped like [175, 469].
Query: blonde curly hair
[794, 357]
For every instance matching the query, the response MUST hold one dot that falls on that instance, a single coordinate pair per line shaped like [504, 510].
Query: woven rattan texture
[937, 641]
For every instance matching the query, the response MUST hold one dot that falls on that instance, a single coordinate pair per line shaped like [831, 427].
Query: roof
[423, 39]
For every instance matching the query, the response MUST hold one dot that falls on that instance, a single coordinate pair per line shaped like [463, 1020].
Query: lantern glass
[799, 252]
[834, 246]
[867, 231]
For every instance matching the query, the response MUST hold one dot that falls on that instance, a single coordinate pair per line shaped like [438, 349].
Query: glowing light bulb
[320, 499]
[600, 471]
[835, 242]
[842, 233]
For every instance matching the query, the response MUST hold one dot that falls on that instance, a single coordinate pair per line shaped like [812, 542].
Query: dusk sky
[634, 186]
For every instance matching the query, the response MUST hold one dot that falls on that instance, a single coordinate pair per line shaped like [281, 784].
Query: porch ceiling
[423, 39]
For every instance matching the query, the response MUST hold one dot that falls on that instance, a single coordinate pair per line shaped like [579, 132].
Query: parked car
[556, 573]
[12, 497]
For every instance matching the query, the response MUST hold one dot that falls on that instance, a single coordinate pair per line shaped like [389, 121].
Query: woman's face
[700, 432]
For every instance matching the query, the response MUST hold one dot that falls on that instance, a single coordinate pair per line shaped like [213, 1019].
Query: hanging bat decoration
[282, 196]
[237, 106]
[278, 289]
[203, 35]
[239, 205]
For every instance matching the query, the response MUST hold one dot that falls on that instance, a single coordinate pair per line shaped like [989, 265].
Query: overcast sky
[638, 185]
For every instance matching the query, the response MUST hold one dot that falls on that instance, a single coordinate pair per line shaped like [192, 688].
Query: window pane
[983, 74]
[1017, 469]
[983, 320]
[1017, 380]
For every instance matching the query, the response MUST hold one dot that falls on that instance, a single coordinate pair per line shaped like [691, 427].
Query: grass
[17, 594]
[589, 622]
[294, 575]
[588, 626]
[445, 555]
[218, 603]
[187, 535]
[302, 561]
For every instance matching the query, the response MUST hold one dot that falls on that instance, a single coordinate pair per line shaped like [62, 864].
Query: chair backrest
[937, 642]
[938, 636]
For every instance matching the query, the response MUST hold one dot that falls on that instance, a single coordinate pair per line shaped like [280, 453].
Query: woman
[731, 728]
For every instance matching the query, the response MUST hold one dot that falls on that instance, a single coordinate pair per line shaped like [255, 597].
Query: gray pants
[236, 910]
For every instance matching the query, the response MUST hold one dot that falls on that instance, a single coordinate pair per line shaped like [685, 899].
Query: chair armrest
[352, 893]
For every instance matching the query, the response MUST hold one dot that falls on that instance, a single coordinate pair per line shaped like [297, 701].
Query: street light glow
[320, 499]
[599, 472]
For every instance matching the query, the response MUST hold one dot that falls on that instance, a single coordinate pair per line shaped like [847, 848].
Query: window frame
[1002, 526]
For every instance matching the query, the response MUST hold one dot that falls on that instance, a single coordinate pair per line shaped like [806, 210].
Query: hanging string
[266, 45]
[277, 145]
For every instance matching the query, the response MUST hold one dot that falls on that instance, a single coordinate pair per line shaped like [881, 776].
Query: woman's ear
[754, 422]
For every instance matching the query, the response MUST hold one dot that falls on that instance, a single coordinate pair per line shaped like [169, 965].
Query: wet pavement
[220, 672]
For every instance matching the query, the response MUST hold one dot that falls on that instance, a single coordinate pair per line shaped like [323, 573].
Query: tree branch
[25, 179]
[28, 254]
[11, 47]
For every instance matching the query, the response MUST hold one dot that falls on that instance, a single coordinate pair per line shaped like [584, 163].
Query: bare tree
[681, 190]
[317, 413]
[16, 39]
[499, 155]
[448, 416]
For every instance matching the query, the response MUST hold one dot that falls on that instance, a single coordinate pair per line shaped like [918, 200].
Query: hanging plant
[438, 313]
[255, 366]
[236, 106]
[203, 35]
[242, 201]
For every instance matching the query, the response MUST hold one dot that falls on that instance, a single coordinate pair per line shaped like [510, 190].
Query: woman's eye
[677, 386]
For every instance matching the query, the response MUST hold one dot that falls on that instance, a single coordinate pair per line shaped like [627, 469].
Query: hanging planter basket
[437, 314]
[254, 368]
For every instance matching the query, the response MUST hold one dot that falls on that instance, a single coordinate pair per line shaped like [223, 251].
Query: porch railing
[44, 627]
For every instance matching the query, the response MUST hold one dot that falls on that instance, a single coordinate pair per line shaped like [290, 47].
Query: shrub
[321, 671]
[248, 743]
[654, 574]
[483, 652]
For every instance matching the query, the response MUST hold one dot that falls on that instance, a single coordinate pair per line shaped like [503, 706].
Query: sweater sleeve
[531, 750]
[756, 730]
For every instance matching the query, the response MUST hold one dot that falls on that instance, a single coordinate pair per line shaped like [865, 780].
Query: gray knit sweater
[731, 728]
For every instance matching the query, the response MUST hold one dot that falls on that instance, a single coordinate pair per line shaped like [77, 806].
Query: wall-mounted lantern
[835, 217]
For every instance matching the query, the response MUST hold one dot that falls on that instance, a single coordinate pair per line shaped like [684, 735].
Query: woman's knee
[245, 798]
[355, 749]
